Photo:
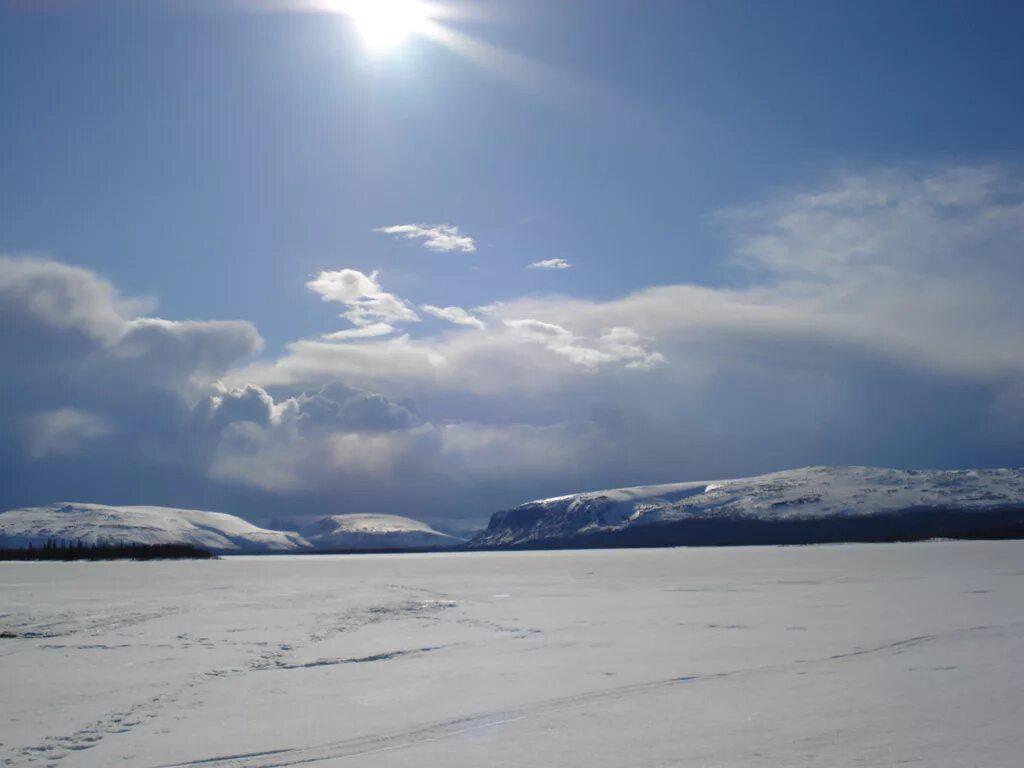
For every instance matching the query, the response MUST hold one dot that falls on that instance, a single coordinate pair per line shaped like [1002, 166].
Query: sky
[256, 259]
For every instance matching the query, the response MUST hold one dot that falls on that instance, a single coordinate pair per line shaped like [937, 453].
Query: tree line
[63, 550]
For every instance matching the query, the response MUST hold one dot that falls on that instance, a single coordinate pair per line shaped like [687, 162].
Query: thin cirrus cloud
[550, 264]
[443, 238]
[371, 331]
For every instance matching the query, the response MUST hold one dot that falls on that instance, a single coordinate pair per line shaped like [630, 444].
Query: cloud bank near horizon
[873, 319]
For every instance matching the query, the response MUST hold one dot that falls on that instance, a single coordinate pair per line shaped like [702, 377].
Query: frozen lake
[861, 655]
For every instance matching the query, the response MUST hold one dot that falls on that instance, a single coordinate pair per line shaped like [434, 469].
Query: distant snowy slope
[90, 523]
[795, 497]
[375, 532]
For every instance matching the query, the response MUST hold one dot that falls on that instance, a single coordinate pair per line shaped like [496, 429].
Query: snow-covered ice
[857, 655]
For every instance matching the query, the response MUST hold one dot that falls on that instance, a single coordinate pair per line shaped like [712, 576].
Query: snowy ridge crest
[364, 531]
[92, 523]
[213, 531]
[793, 496]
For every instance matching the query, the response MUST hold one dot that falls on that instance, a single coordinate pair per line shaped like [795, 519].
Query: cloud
[298, 441]
[65, 298]
[97, 397]
[63, 431]
[625, 344]
[489, 364]
[369, 307]
[244, 404]
[455, 315]
[616, 345]
[435, 237]
[179, 355]
[65, 323]
[872, 318]
[365, 332]
[550, 264]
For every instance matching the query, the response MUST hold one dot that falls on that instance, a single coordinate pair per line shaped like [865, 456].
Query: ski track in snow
[559, 621]
[55, 749]
[367, 745]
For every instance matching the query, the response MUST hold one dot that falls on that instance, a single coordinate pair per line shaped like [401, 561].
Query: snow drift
[796, 506]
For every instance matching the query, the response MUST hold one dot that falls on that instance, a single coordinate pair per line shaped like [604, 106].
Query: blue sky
[800, 204]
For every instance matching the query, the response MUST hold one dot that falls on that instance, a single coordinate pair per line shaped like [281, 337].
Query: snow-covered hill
[832, 503]
[90, 523]
[375, 532]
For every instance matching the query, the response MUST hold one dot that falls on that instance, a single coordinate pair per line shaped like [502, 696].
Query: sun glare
[387, 23]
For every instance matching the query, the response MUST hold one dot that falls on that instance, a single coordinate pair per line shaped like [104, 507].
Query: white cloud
[367, 304]
[617, 345]
[627, 345]
[435, 237]
[559, 340]
[870, 315]
[372, 331]
[67, 327]
[332, 435]
[63, 297]
[456, 315]
[874, 319]
[550, 264]
[63, 431]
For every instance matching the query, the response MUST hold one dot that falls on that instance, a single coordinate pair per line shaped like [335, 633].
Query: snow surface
[839, 656]
[809, 493]
[375, 531]
[92, 523]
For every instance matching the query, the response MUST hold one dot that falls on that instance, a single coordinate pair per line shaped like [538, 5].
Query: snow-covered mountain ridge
[799, 498]
[91, 523]
[359, 531]
[213, 531]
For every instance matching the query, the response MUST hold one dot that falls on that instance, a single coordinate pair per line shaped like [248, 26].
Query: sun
[387, 23]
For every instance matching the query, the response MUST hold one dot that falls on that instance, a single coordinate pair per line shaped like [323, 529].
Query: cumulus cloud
[435, 237]
[489, 364]
[368, 306]
[873, 318]
[96, 395]
[455, 315]
[243, 404]
[550, 264]
[64, 298]
[179, 355]
[286, 444]
[64, 322]
[340, 438]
